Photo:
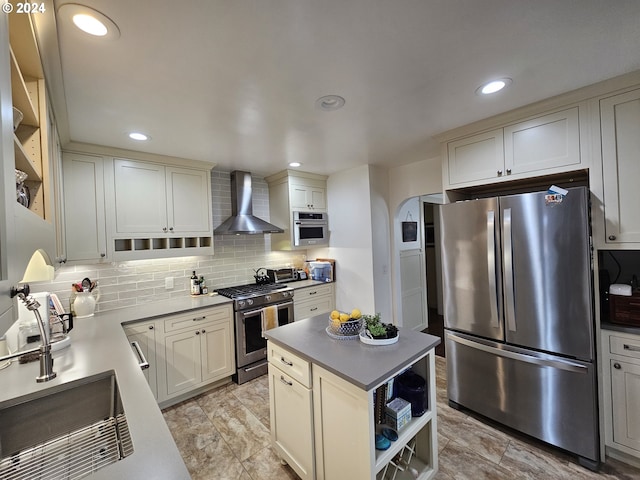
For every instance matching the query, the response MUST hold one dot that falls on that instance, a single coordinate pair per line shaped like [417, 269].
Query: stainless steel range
[252, 303]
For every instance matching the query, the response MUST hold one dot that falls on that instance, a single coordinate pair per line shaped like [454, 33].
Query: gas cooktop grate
[72, 456]
[251, 289]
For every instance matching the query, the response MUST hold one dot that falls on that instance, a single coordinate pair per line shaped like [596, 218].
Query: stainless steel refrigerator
[519, 331]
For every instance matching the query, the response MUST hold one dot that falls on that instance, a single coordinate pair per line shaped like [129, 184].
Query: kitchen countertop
[99, 344]
[365, 366]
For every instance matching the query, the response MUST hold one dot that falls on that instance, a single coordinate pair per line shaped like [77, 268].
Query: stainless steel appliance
[519, 318]
[283, 275]
[250, 303]
[310, 229]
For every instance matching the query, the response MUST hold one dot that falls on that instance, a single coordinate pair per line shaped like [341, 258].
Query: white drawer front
[197, 317]
[311, 308]
[291, 364]
[312, 292]
[624, 346]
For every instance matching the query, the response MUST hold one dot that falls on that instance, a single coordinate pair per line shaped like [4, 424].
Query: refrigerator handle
[509, 294]
[561, 364]
[491, 264]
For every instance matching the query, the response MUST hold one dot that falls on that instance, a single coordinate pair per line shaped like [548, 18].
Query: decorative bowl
[350, 327]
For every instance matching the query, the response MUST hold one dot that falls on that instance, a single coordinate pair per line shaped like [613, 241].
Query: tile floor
[224, 434]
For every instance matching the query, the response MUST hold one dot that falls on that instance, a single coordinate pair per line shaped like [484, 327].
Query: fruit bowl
[348, 328]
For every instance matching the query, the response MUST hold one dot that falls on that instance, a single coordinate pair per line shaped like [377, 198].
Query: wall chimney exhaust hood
[242, 220]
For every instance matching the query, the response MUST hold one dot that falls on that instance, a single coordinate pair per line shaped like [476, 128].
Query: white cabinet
[621, 383]
[291, 191]
[307, 197]
[343, 427]
[84, 206]
[541, 145]
[198, 349]
[155, 199]
[314, 300]
[620, 129]
[145, 334]
[157, 210]
[291, 410]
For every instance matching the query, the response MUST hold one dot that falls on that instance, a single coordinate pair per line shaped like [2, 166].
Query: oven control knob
[285, 294]
[241, 303]
[249, 301]
[267, 298]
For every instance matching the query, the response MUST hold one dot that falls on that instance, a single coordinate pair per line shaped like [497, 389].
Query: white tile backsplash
[137, 282]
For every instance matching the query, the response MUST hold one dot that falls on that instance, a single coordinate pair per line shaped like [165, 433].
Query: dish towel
[269, 318]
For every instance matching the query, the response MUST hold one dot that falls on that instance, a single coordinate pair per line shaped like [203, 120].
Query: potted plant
[379, 330]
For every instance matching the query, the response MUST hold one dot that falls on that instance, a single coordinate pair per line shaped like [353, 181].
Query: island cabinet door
[342, 424]
[292, 422]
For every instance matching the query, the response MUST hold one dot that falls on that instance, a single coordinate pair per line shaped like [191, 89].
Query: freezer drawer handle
[491, 264]
[631, 348]
[509, 293]
[567, 365]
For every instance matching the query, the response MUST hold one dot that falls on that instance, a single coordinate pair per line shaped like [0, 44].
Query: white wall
[381, 229]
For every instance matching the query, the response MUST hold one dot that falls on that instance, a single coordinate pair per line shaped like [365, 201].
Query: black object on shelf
[413, 388]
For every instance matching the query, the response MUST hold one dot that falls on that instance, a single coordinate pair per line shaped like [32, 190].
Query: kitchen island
[322, 402]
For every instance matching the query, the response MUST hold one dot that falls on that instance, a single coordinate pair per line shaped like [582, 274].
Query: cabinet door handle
[143, 361]
[164, 229]
[617, 366]
[313, 309]
[204, 331]
[499, 173]
[197, 332]
[171, 229]
[286, 362]
[150, 327]
[631, 348]
[103, 255]
[283, 380]
[612, 237]
[199, 318]
[508, 171]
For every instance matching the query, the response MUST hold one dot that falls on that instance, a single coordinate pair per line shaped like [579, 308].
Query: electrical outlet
[168, 283]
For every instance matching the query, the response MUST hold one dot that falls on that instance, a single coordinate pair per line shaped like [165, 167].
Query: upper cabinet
[124, 209]
[291, 191]
[85, 227]
[540, 145]
[620, 128]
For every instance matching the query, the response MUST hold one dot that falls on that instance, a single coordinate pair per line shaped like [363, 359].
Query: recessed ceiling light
[295, 164]
[330, 102]
[89, 20]
[139, 136]
[493, 86]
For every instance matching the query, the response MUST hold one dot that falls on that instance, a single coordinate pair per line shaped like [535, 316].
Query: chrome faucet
[46, 360]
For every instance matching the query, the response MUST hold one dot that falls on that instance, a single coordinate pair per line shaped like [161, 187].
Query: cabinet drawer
[312, 292]
[291, 364]
[624, 346]
[196, 317]
[314, 307]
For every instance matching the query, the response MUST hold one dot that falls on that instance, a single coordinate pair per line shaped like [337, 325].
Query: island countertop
[365, 366]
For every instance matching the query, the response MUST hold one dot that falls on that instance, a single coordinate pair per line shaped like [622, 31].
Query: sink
[65, 432]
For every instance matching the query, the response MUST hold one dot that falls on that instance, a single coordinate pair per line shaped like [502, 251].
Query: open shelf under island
[322, 402]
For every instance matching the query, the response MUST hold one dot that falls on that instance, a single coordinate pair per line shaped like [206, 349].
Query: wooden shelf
[25, 163]
[22, 100]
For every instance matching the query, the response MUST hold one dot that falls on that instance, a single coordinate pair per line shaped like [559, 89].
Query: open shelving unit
[29, 96]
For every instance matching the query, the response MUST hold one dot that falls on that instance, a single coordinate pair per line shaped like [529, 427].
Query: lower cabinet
[145, 334]
[186, 351]
[312, 301]
[621, 365]
[291, 409]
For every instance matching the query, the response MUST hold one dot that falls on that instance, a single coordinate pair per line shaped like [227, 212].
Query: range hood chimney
[242, 220]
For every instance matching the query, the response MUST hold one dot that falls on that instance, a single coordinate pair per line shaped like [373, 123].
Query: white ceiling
[233, 82]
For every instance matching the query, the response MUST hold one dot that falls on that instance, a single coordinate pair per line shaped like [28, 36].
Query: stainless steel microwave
[310, 229]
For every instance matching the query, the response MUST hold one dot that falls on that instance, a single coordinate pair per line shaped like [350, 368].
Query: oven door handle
[260, 311]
